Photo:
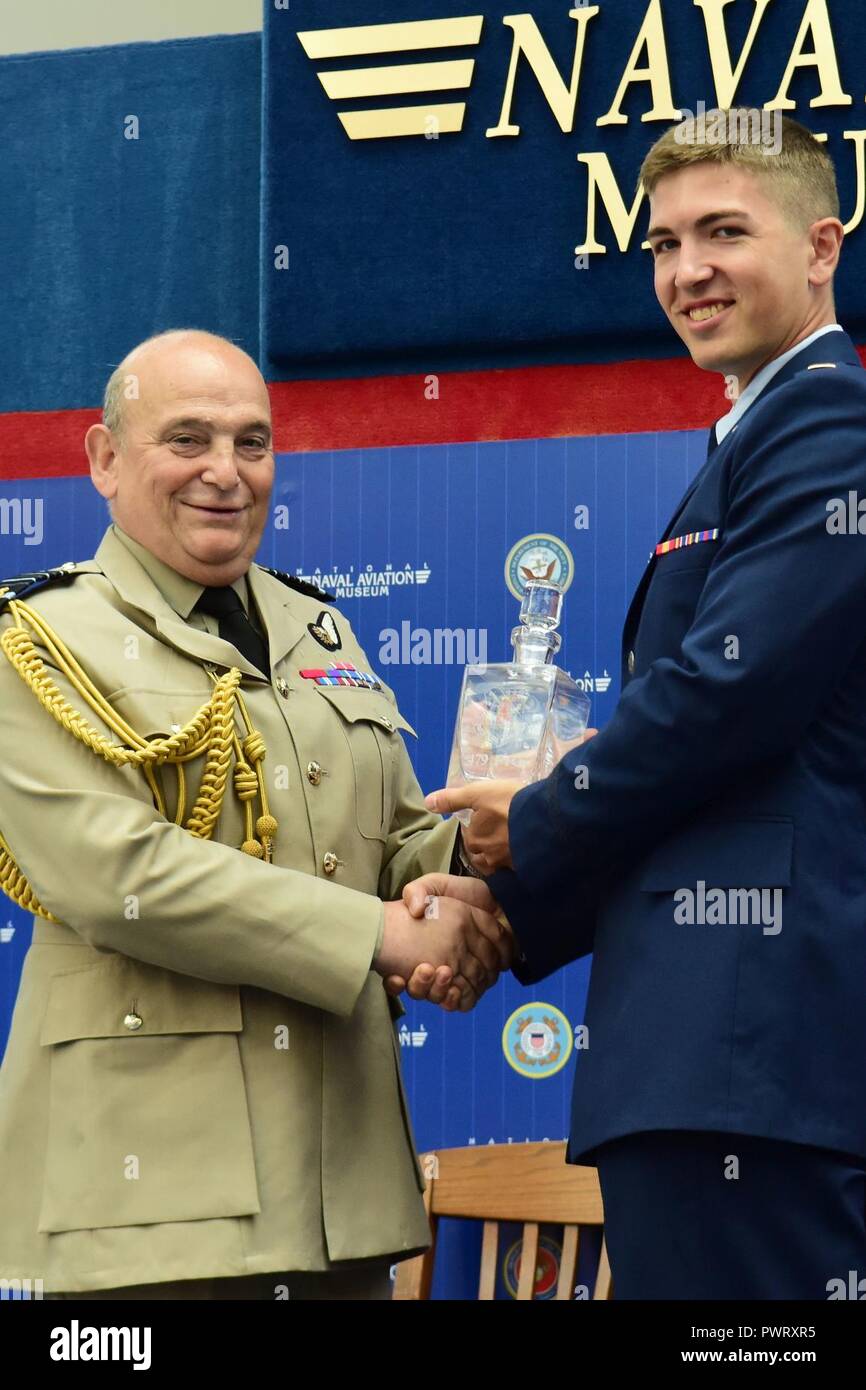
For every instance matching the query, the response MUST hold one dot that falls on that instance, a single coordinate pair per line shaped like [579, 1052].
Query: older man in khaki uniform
[201, 1096]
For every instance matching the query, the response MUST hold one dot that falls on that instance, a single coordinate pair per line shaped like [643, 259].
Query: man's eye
[254, 444]
[183, 439]
[669, 241]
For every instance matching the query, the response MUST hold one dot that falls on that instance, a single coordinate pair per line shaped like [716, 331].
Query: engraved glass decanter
[518, 718]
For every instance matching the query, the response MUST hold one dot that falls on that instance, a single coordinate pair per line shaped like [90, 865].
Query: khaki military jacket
[202, 1076]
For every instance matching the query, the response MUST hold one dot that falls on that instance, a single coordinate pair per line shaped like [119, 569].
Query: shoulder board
[22, 585]
[300, 584]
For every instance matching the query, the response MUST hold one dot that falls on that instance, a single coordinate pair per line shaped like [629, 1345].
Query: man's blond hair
[799, 178]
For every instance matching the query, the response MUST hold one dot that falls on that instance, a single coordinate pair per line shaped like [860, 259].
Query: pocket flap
[93, 1003]
[724, 854]
[354, 703]
[158, 713]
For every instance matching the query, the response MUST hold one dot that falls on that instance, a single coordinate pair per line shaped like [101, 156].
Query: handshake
[463, 945]
[455, 952]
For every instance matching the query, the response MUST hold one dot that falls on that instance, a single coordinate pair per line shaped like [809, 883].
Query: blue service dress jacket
[735, 760]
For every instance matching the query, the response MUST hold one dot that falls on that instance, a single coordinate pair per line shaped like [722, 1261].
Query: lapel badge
[324, 630]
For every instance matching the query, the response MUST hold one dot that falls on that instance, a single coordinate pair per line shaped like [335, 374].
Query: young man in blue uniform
[712, 854]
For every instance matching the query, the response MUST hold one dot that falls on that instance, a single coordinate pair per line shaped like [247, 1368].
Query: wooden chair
[530, 1183]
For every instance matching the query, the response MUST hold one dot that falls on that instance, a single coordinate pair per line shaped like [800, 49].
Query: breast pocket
[148, 1118]
[163, 714]
[370, 725]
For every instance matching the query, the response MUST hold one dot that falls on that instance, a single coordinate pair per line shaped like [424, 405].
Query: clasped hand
[443, 942]
[463, 945]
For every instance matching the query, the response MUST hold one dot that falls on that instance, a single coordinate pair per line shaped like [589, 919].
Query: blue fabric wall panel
[103, 239]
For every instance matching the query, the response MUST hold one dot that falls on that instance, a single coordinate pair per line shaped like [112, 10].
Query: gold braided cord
[211, 730]
[15, 885]
[252, 750]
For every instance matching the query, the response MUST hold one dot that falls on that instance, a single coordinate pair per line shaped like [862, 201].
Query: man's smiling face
[190, 475]
[721, 243]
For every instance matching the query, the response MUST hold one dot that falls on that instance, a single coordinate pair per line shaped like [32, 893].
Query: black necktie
[712, 441]
[224, 603]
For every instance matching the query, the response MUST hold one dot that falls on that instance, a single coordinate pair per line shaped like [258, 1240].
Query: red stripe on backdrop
[44, 443]
[520, 403]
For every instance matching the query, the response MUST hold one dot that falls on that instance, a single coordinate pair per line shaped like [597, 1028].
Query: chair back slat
[567, 1263]
[489, 1247]
[528, 1262]
[603, 1279]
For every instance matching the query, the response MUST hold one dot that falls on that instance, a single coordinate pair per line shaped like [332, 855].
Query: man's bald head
[124, 382]
[183, 456]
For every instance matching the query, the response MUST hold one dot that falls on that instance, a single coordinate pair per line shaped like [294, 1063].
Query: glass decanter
[518, 718]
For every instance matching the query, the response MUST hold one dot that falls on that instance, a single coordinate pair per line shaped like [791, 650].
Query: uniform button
[329, 862]
[386, 722]
[630, 663]
[132, 1022]
[282, 687]
[314, 773]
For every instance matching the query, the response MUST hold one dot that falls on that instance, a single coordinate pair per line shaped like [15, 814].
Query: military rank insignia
[22, 585]
[324, 630]
[311, 590]
[342, 673]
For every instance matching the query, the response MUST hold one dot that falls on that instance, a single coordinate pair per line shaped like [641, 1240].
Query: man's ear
[102, 455]
[827, 236]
